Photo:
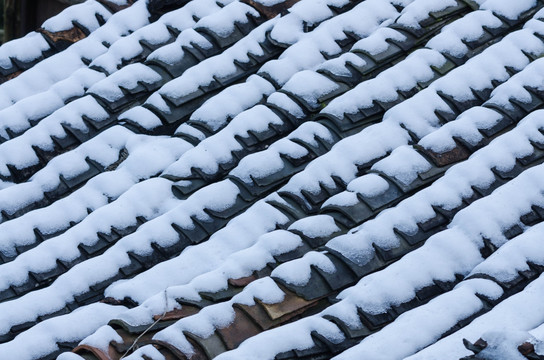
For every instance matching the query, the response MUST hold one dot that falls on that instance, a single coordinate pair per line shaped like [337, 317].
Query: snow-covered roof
[274, 179]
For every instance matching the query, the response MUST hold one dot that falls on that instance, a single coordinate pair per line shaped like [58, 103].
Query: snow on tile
[141, 116]
[64, 247]
[146, 158]
[509, 10]
[503, 345]
[448, 192]
[285, 103]
[25, 49]
[430, 320]
[238, 264]
[520, 312]
[371, 143]
[219, 66]
[216, 112]
[146, 352]
[442, 256]
[218, 148]
[19, 116]
[240, 233]
[267, 162]
[156, 33]
[337, 65]
[404, 164]
[334, 26]
[252, 239]
[83, 14]
[469, 28]
[73, 327]
[60, 66]
[412, 15]
[310, 86]
[185, 130]
[19, 152]
[369, 185]
[315, 226]
[220, 315]
[529, 77]
[130, 46]
[509, 52]
[173, 53]
[224, 25]
[129, 77]
[69, 356]
[299, 272]
[294, 335]
[192, 11]
[512, 257]
[154, 199]
[378, 41]
[384, 86]
[489, 65]
[465, 127]
[307, 52]
[102, 337]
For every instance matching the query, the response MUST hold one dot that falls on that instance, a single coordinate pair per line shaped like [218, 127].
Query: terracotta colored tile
[458, 153]
[290, 304]
[243, 327]
[72, 35]
[83, 349]
[241, 282]
[259, 315]
[526, 348]
[176, 314]
[11, 76]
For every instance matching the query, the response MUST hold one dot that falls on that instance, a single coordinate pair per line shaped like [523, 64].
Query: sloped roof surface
[274, 179]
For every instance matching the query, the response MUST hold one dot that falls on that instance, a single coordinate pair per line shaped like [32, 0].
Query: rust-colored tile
[72, 35]
[291, 303]
[125, 302]
[8, 77]
[86, 349]
[259, 316]
[114, 354]
[242, 328]
[262, 317]
[526, 348]
[176, 314]
[241, 282]
[271, 11]
[111, 301]
[458, 153]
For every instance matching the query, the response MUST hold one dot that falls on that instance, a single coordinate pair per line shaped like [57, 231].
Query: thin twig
[150, 326]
